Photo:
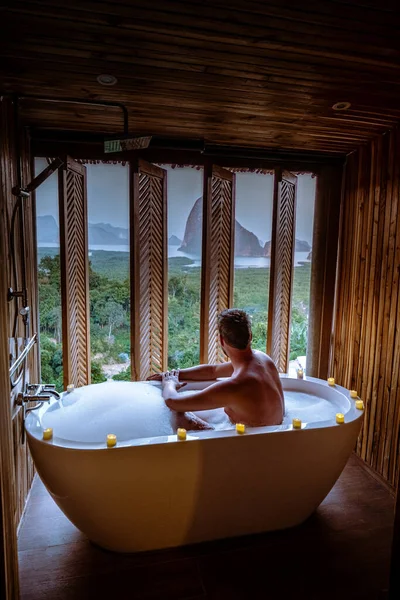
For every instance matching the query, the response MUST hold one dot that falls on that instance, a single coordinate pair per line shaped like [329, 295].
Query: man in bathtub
[250, 391]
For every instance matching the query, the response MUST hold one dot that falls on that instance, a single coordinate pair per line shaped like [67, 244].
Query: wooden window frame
[211, 172]
[140, 370]
[279, 335]
[181, 157]
[76, 363]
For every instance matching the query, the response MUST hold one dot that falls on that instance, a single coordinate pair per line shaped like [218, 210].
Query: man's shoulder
[259, 354]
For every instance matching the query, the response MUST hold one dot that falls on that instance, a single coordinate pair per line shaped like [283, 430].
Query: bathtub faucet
[36, 392]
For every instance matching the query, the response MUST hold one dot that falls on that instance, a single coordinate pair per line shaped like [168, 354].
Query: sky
[108, 193]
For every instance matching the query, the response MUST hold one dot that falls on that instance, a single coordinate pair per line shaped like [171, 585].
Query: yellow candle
[339, 418]
[331, 381]
[360, 404]
[111, 440]
[181, 433]
[240, 428]
[300, 374]
[47, 433]
[353, 394]
[70, 388]
[296, 423]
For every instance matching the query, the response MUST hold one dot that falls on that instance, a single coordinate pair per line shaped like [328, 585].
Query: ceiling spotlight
[106, 79]
[341, 106]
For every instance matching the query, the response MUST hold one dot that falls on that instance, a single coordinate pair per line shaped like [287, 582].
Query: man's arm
[201, 373]
[206, 372]
[214, 396]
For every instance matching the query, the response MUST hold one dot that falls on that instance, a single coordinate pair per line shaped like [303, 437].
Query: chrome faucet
[36, 392]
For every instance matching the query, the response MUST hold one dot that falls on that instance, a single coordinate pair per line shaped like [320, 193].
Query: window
[306, 185]
[253, 230]
[48, 254]
[185, 216]
[178, 230]
[108, 237]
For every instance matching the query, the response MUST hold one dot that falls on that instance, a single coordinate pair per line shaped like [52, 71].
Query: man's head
[234, 328]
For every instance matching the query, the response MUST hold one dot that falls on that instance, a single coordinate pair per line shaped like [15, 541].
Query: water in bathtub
[137, 410]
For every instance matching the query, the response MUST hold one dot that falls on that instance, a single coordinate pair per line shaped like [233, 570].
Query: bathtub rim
[34, 428]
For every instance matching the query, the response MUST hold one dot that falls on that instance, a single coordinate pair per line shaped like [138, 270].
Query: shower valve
[34, 392]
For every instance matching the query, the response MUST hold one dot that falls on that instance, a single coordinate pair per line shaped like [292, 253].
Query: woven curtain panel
[74, 273]
[150, 275]
[218, 250]
[282, 271]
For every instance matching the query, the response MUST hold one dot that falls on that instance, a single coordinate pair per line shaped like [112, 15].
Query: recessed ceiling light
[106, 79]
[341, 106]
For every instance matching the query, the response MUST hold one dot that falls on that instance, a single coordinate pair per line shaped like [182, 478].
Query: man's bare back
[249, 390]
[258, 397]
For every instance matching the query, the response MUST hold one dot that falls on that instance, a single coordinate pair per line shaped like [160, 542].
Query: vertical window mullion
[281, 275]
[149, 272]
[218, 256]
[74, 269]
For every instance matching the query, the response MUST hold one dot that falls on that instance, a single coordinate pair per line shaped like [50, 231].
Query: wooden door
[149, 270]
[218, 256]
[74, 265]
[281, 274]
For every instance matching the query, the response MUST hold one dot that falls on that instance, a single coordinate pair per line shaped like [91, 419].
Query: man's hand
[155, 377]
[171, 377]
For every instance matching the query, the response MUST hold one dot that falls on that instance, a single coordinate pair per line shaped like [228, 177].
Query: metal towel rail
[18, 362]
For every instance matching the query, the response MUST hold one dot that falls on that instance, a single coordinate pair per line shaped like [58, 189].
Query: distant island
[247, 243]
[100, 234]
[174, 241]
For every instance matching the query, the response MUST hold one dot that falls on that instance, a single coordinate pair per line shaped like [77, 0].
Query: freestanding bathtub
[158, 492]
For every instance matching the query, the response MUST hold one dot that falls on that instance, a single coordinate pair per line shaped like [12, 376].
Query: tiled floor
[342, 552]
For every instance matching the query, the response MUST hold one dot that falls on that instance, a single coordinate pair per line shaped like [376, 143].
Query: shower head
[122, 144]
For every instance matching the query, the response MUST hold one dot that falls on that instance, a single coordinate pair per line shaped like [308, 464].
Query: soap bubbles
[308, 407]
[132, 410]
[128, 409]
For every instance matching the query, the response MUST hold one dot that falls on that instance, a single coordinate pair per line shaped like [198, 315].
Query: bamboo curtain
[74, 273]
[281, 274]
[149, 270]
[218, 254]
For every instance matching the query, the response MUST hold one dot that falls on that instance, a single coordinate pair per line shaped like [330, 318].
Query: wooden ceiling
[256, 74]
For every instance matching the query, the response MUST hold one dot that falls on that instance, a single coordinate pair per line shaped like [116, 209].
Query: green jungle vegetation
[110, 311]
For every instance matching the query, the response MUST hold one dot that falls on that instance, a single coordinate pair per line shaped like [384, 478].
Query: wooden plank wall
[323, 269]
[8, 539]
[22, 461]
[366, 343]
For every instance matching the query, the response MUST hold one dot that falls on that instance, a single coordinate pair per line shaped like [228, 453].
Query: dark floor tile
[41, 508]
[46, 532]
[177, 580]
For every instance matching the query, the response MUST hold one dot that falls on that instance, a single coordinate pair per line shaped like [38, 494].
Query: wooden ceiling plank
[236, 15]
[42, 28]
[210, 29]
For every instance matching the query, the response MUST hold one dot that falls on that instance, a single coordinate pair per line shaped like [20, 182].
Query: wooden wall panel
[8, 499]
[218, 255]
[323, 269]
[16, 468]
[149, 278]
[74, 273]
[282, 254]
[366, 346]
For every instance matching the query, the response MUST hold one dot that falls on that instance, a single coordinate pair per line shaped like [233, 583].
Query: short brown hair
[235, 328]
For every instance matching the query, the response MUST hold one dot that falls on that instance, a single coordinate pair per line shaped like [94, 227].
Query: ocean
[241, 262]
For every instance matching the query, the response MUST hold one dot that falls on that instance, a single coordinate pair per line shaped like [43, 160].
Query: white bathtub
[159, 492]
